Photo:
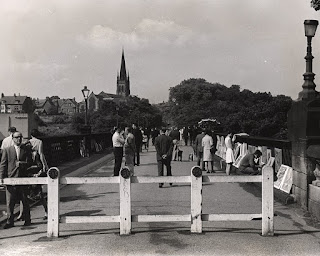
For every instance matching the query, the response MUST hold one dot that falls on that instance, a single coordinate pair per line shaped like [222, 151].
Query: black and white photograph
[159, 127]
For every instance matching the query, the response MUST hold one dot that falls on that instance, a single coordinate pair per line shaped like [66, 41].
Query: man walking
[14, 163]
[117, 142]
[138, 140]
[199, 149]
[164, 147]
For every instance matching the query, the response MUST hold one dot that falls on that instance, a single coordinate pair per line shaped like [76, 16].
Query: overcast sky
[55, 47]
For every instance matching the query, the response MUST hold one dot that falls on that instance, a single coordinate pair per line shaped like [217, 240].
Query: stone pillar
[303, 130]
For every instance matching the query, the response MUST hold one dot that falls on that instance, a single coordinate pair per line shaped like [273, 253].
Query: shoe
[208, 171]
[27, 223]
[160, 185]
[171, 184]
[213, 171]
[8, 225]
[45, 218]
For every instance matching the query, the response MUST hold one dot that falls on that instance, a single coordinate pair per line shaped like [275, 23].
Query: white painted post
[267, 201]
[196, 199]
[53, 202]
[125, 201]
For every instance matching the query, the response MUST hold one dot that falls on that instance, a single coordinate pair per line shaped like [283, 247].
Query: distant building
[16, 104]
[66, 106]
[122, 92]
[45, 107]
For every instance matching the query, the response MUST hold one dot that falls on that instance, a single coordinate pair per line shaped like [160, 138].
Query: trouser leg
[118, 154]
[23, 192]
[11, 197]
[160, 170]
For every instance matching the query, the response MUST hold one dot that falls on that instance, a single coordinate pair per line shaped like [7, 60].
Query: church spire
[123, 72]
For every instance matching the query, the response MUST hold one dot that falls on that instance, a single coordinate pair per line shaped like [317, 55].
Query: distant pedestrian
[117, 142]
[248, 164]
[186, 135]
[164, 147]
[8, 141]
[175, 136]
[229, 140]
[199, 149]
[138, 140]
[129, 149]
[208, 148]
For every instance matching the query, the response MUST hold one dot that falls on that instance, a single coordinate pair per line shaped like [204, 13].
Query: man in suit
[164, 147]
[14, 163]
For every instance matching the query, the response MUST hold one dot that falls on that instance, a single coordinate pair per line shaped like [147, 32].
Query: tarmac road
[294, 233]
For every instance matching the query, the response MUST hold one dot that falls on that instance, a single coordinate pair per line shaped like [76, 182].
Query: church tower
[123, 81]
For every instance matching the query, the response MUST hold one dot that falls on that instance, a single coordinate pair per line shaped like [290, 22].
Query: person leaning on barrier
[14, 163]
[249, 165]
[164, 147]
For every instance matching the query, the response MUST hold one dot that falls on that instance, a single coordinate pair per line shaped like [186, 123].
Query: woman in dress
[207, 144]
[228, 141]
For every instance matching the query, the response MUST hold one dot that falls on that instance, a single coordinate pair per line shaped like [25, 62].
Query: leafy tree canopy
[258, 114]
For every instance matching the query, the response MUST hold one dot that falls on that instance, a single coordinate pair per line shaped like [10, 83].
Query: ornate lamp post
[85, 92]
[308, 91]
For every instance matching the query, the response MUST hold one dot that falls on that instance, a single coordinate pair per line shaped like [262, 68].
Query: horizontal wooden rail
[244, 178]
[89, 180]
[25, 181]
[230, 217]
[89, 219]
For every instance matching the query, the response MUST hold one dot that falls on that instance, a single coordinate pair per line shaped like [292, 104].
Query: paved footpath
[294, 233]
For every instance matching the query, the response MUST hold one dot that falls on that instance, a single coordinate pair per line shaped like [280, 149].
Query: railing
[60, 149]
[279, 150]
[125, 218]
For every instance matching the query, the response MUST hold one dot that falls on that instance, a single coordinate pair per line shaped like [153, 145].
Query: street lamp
[85, 92]
[308, 91]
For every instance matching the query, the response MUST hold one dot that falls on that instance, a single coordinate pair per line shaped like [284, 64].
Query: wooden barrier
[125, 218]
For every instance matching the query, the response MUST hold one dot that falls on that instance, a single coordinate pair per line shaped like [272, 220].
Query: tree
[258, 114]
[315, 4]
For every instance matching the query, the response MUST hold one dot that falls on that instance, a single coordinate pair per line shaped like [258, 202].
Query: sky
[56, 47]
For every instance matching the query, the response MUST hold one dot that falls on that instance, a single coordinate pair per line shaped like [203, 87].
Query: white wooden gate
[125, 218]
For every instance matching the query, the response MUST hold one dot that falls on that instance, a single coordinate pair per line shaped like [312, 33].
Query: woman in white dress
[207, 144]
[228, 141]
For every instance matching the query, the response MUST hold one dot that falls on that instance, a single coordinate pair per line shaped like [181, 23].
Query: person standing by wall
[117, 142]
[14, 163]
[138, 140]
[129, 149]
[229, 140]
[164, 147]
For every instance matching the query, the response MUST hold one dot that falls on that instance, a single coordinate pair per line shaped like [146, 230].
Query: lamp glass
[310, 27]
[85, 92]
